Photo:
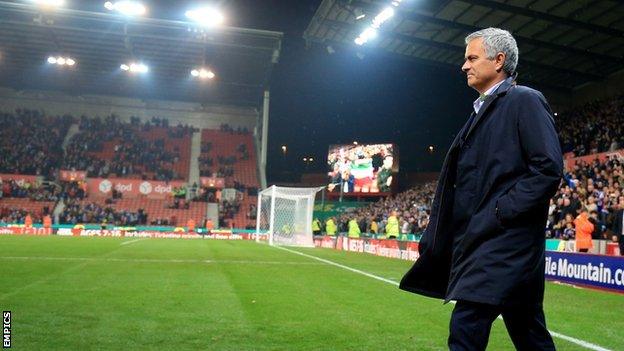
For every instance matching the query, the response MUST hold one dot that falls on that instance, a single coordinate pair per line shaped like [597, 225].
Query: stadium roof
[100, 42]
[563, 44]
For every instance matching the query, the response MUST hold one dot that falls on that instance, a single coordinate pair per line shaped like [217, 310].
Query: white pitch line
[576, 341]
[131, 241]
[341, 266]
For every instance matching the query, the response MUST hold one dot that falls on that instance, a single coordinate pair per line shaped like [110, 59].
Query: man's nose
[465, 67]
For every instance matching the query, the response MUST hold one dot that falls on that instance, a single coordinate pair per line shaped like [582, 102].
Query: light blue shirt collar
[478, 102]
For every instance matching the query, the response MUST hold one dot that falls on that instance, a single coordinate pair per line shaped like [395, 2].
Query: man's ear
[500, 61]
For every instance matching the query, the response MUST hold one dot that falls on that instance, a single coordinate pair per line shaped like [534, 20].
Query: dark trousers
[471, 323]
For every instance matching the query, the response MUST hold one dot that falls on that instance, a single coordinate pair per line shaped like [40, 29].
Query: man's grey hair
[497, 40]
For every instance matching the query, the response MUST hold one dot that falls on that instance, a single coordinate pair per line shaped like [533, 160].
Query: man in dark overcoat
[484, 245]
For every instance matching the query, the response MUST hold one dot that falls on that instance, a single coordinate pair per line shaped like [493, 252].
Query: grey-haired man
[484, 245]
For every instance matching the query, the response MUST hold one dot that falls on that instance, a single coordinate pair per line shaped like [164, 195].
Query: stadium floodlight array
[135, 67]
[203, 73]
[128, 8]
[285, 215]
[205, 16]
[51, 3]
[61, 61]
[381, 18]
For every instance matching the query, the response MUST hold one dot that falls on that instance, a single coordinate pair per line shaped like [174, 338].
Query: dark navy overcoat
[510, 158]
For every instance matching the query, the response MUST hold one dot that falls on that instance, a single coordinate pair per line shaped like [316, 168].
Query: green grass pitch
[69, 293]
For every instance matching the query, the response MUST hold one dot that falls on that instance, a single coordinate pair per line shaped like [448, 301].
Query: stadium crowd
[404, 213]
[595, 127]
[31, 142]
[78, 212]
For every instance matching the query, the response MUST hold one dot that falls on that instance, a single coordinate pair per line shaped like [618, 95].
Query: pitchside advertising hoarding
[362, 168]
[23, 230]
[178, 233]
[593, 271]
[405, 250]
[596, 271]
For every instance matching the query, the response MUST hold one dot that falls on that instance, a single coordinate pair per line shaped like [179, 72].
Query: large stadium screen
[362, 168]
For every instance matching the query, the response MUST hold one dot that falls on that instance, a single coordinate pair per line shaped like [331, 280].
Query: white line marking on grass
[579, 342]
[131, 241]
[340, 266]
[576, 341]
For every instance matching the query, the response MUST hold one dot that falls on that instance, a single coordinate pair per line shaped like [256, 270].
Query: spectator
[584, 229]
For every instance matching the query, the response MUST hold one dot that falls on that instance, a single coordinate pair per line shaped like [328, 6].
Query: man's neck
[493, 83]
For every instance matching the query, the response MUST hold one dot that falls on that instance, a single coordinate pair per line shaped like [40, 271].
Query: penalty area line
[576, 341]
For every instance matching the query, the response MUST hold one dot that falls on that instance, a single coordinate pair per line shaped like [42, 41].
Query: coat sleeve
[539, 144]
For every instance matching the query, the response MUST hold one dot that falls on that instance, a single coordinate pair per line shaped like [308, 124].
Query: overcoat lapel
[502, 90]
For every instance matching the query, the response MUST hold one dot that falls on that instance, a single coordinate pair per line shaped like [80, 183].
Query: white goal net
[285, 215]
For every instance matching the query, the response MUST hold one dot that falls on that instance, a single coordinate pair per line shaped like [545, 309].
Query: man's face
[481, 72]
[387, 162]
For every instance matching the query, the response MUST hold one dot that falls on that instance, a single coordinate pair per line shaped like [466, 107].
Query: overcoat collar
[502, 90]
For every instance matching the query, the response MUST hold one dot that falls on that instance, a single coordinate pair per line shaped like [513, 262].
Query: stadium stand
[230, 154]
[102, 147]
[150, 150]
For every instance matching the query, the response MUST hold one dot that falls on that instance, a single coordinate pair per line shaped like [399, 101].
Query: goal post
[285, 215]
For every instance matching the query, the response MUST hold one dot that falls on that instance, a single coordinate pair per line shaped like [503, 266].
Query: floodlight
[138, 67]
[52, 59]
[70, 61]
[52, 3]
[124, 67]
[203, 73]
[60, 61]
[366, 35]
[205, 16]
[382, 17]
[206, 74]
[126, 7]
